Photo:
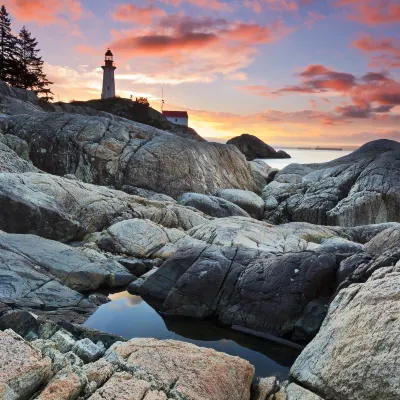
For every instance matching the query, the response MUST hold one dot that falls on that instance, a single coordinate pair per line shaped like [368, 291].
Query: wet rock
[355, 354]
[246, 200]
[253, 147]
[212, 205]
[22, 368]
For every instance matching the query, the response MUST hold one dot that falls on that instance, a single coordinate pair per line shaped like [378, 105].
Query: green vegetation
[21, 65]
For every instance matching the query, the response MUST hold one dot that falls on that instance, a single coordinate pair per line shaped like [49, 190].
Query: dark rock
[221, 282]
[139, 266]
[253, 147]
[212, 205]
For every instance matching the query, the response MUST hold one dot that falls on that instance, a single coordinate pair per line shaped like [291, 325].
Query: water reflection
[130, 316]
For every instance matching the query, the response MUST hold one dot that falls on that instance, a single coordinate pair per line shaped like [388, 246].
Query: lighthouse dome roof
[108, 53]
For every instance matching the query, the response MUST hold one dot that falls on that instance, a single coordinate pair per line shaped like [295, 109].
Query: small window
[108, 87]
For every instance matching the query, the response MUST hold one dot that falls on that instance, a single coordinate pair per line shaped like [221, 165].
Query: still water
[130, 316]
[306, 157]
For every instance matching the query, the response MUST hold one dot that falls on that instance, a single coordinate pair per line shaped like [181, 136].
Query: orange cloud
[46, 11]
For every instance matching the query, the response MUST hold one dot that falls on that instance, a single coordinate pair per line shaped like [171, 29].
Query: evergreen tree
[8, 57]
[30, 66]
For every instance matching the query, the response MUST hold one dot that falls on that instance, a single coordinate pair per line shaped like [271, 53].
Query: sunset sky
[292, 72]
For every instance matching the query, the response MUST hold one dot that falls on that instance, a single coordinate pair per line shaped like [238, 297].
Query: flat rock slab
[192, 372]
[22, 368]
[70, 266]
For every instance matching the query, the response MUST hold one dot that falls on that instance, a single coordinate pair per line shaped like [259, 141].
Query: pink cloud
[384, 51]
[372, 12]
[133, 13]
[313, 17]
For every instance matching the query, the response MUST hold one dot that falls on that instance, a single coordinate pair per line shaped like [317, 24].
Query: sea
[302, 156]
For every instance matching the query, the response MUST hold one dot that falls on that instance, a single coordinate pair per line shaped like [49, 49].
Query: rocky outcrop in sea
[91, 202]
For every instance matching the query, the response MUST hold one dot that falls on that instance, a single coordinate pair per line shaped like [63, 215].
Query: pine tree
[30, 74]
[8, 58]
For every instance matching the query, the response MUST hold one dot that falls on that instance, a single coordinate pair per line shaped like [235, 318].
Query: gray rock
[359, 189]
[355, 354]
[212, 205]
[147, 194]
[246, 200]
[142, 238]
[11, 162]
[253, 147]
[63, 209]
[56, 260]
[87, 350]
[116, 153]
[262, 173]
[63, 340]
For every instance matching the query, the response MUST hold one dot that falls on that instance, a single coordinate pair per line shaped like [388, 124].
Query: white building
[177, 117]
[108, 76]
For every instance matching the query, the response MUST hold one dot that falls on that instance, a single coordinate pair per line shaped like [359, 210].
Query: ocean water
[306, 157]
[130, 316]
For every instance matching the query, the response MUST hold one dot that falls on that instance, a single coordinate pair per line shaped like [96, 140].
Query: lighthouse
[108, 76]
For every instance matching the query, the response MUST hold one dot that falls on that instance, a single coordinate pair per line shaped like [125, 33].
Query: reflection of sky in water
[130, 316]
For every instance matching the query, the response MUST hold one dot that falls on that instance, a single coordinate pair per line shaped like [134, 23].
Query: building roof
[177, 114]
[108, 53]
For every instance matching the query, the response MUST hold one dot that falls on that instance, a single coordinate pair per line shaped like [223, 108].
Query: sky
[292, 72]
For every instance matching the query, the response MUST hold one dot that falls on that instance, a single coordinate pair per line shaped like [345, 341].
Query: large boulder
[115, 153]
[359, 189]
[212, 205]
[64, 209]
[234, 258]
[253, 147]
[355, 354]
[187, 370]
[262, 173]
[246, 200]
[23, 369]
[142, 238]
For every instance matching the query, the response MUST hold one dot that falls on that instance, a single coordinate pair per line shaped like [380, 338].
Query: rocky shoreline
[307, 254]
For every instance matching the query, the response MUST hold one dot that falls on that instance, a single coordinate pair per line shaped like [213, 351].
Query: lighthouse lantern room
[108, 76]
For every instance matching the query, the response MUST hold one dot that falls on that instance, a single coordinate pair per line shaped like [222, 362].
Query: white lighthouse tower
[108, 76]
